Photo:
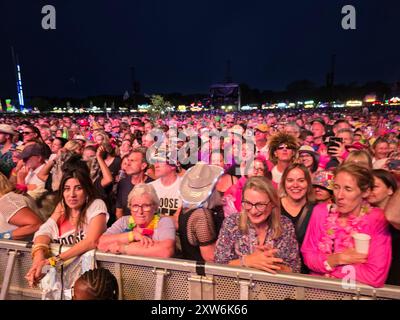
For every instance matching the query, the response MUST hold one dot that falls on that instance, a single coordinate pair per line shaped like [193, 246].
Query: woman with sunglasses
[259, 237]
[142, 233]
[282, 151]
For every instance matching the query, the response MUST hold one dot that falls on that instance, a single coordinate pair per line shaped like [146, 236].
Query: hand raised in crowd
[100, 151]
[263, 258]
[338, 152]
[323, 150]
[21, 174]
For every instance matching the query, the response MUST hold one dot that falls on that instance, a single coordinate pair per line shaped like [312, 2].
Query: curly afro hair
[278, 139]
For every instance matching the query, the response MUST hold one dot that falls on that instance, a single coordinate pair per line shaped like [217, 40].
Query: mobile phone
[333, 142]
[394, 165]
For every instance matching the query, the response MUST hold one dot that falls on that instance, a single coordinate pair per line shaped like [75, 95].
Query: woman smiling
[259, 237]
[143, 232]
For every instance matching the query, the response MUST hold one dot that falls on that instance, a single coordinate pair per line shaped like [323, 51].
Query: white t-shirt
[170, 198]
[264, 151]
[53, 229]
[10, 204]
[276, 175]
[32, 177]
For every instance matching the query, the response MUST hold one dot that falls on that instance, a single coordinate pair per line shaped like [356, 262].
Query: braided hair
[101, 284]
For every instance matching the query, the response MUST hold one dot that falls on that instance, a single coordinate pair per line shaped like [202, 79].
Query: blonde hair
[5, 185]
[263, 185]
[72, 145]
[359, 157]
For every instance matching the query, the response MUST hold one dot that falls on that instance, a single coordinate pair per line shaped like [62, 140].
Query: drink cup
[361, 242]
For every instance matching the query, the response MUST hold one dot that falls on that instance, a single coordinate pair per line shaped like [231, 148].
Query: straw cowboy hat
[6, 128]
[198, 182]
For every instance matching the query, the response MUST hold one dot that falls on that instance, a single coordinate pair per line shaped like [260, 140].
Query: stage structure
[225, 94]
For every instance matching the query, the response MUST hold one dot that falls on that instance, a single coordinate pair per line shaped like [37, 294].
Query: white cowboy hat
[198, 182]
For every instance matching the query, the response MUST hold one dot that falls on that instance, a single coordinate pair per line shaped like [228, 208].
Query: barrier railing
[175, 279]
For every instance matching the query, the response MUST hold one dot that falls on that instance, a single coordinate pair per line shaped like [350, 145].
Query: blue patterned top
[6, 162]
[232, 243]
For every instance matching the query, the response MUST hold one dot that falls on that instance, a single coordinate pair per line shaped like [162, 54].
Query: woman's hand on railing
[35, 274]
[264, 259]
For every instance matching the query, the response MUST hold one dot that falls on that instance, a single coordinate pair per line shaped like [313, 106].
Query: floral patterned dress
[233, 243]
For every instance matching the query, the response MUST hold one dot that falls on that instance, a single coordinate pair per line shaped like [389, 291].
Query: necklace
[144, 230]
[338, 237]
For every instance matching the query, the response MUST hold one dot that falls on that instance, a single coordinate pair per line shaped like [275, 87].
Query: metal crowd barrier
[142, 278]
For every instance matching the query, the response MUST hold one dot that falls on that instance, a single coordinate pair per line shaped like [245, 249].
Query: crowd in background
[279, 192]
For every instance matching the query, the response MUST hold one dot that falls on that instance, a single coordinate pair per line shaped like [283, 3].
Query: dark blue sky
[183, 46]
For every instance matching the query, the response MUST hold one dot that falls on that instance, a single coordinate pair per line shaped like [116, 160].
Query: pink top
[314, 249]
[236, 192]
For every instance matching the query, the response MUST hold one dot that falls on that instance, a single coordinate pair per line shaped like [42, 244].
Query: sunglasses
[27, 132]
[285, 147]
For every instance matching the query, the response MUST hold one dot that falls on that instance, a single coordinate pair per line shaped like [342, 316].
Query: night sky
[183, 46]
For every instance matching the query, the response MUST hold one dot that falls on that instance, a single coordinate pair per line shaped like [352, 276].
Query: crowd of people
[279, 192]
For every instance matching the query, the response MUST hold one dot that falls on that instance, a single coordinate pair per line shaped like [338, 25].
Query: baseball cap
[36, 149]
[262, 127]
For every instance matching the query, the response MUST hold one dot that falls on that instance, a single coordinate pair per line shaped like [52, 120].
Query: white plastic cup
[361, 242]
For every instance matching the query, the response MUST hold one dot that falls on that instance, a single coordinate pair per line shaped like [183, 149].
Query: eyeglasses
[258, 169]
[144, 207]
[27, 132]
[259, 205]
[305, 155]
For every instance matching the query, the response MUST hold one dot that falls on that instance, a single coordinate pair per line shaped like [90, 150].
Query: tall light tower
[17, 69]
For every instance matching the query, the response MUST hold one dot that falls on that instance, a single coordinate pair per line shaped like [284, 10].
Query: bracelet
[21, 187]
[40, 246]
[131, 237]
[6, 235]
[55, 261]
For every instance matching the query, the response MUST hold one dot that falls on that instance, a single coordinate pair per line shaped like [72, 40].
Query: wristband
[21, 187]
[131, 237]
[327, 266]
[6, 235]
[55, 261]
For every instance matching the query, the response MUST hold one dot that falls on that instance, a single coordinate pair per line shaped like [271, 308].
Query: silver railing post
[160, 277]
[8, 274]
